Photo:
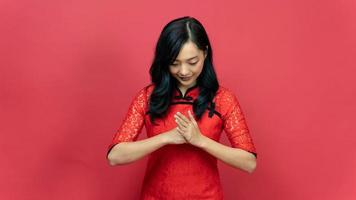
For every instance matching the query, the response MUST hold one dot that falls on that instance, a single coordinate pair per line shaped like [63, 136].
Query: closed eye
[176, 64]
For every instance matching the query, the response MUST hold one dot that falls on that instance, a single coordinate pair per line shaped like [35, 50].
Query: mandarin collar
[190, 94]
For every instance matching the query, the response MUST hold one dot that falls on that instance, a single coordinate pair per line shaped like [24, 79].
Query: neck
[184, 89]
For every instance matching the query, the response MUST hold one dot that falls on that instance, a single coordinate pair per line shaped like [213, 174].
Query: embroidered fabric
[133, 121]
[235, 125]
[184, 171]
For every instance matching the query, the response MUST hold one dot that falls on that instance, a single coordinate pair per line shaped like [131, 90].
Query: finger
[180, 122]
[191, 116]
[180, 130]
[192, 119]
[183, 117]
[180, 125]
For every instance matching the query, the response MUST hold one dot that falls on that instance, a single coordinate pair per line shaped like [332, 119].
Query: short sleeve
[235, 126]
[133, 122]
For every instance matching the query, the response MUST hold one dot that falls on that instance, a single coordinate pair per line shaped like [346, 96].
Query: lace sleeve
[133, 122]
[235, 125]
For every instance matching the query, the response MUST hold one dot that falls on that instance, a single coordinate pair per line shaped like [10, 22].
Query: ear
[206, 51]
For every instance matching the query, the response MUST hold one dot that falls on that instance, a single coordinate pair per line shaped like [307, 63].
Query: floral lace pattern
[133, 122]
[235, 125]
[185, 171]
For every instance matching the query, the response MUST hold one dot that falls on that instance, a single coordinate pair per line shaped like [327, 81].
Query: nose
[184, 71]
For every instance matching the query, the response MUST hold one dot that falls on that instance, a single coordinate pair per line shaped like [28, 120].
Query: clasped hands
[188, 128]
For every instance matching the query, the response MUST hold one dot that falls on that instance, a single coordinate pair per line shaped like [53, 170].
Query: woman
[184, 111]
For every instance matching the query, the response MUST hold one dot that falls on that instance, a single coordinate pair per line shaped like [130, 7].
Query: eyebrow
[189, 58]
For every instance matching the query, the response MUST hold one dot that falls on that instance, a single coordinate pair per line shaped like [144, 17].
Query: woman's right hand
[174, 137]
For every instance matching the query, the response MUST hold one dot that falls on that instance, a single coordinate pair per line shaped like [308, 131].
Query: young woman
[184, 110]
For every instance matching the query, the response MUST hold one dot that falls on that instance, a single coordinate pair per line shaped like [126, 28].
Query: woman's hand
[188, 127]
[174, 137]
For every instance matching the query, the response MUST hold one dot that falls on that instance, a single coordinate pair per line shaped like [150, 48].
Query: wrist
[163, 138]
[202, 142]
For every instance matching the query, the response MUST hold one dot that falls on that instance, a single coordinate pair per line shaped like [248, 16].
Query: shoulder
[225, 99]
[142, 94]
[149, 88]
[224, 94]
[145, 90]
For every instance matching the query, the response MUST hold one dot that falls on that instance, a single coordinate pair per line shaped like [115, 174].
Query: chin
[186, 83]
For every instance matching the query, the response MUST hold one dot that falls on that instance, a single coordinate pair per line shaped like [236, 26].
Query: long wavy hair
[173, 36]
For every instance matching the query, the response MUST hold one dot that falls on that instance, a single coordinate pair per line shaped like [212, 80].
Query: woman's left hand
[188, 127]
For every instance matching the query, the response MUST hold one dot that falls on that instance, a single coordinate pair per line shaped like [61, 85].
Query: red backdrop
[69, 70]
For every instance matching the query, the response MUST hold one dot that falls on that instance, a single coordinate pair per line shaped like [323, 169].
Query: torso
[183, 171]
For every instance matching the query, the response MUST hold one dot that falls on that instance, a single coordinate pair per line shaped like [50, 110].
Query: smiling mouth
[185, 78]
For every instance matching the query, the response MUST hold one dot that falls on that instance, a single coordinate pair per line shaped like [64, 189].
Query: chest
[208, 126]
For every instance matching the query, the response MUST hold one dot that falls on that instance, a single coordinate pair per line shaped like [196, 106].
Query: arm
[243, 151]
[242, 155]
[129, 130]
[127, 152]
[234, 157]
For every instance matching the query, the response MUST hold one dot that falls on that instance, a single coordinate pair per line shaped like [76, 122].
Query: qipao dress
[183, 171]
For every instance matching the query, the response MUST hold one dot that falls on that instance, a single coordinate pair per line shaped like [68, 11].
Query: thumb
[192, 118]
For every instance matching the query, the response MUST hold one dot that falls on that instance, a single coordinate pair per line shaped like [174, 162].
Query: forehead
[188, 50]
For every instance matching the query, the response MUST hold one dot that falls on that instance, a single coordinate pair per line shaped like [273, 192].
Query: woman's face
[188, 65]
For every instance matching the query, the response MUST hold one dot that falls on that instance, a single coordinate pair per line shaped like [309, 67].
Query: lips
[185, 78]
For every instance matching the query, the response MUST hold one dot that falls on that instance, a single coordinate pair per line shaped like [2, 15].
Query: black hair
[173, 36]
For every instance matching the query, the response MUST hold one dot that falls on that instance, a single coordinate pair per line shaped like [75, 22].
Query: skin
[189, 63]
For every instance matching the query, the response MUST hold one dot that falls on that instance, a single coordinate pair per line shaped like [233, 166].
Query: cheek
[172, 71]
[199, 68]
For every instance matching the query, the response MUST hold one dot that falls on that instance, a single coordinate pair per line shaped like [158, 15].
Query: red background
[69, 70]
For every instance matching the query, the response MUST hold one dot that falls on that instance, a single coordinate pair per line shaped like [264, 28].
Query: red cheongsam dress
[183, 171]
